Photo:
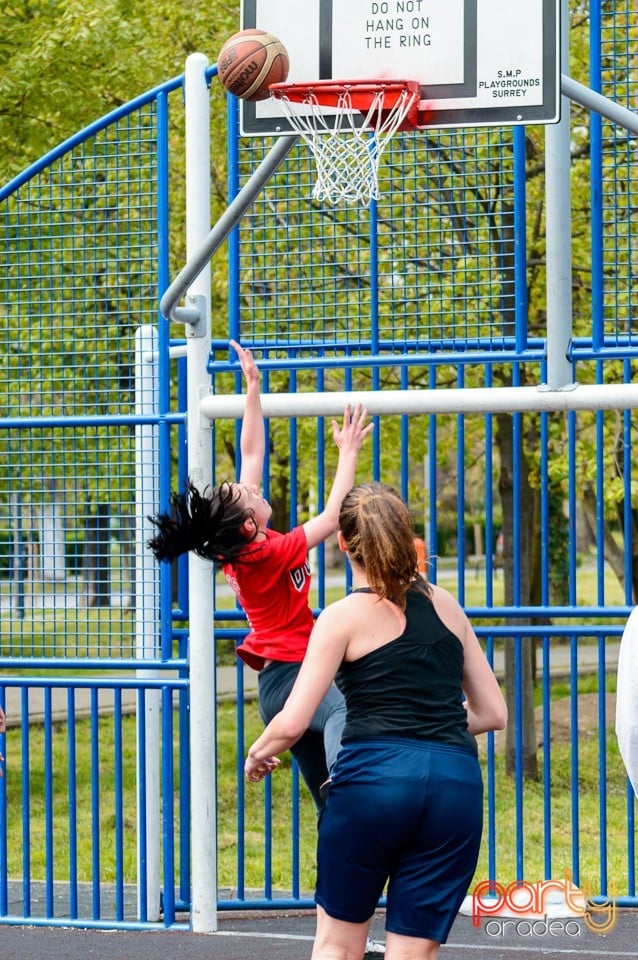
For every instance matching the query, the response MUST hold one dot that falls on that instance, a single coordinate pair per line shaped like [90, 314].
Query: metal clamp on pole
[193, 314]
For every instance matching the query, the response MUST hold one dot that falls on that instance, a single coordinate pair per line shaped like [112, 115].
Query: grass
[583, 828]
[474, 596]
[536, 845]
[73, 632]
[38, 796]
[243, 818]
[40, 800]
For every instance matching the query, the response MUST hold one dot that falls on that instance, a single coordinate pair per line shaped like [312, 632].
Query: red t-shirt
[272, 582]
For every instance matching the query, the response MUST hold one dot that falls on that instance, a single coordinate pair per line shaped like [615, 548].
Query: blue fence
[529, 516]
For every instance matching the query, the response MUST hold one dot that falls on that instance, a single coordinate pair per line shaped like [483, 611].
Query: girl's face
[251, 499]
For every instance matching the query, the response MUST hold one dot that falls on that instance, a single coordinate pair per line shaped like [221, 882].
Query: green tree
[63, 65]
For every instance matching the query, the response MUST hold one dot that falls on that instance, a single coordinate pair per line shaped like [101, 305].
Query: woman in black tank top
[404, 806]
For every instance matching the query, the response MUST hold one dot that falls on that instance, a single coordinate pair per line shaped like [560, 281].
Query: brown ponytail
[377, 527]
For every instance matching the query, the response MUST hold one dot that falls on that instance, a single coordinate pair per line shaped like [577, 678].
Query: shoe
[373, 948]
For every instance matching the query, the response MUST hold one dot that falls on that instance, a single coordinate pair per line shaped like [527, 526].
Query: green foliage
[65, 63]
[444, 264]
[558, 546]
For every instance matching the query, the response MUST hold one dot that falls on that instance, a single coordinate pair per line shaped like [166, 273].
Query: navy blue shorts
[405, 812]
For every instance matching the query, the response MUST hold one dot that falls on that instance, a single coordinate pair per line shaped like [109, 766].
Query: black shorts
[405, 812]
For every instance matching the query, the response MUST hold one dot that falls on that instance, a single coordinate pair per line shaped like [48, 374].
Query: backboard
[479, 62]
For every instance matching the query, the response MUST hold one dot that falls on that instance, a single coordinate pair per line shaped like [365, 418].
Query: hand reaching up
[248, 365]
[353, 431]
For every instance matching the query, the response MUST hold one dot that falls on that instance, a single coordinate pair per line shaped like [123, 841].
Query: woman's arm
[253, 438]
[324, 655]
[349, 438]
[485, 704]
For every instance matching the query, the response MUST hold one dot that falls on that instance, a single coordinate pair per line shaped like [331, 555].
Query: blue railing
[381, 298]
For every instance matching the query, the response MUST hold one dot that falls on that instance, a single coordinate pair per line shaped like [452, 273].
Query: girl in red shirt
[269, 571]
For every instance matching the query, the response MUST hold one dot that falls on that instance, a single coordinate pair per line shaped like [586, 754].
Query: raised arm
[349, 438]
[253, 439]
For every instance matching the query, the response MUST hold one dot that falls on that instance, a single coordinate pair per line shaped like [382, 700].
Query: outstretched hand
[353, 432]
[248, 365]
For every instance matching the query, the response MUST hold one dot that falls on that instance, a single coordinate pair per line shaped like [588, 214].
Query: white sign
[478, 62]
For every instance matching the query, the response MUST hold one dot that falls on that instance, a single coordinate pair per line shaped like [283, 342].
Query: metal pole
[599, 104]
[559, 246]
[481, 400]
[199, 441]
[211, 241]
[147, 641]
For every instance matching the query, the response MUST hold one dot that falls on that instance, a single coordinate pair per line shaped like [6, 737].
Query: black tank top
[410, 687]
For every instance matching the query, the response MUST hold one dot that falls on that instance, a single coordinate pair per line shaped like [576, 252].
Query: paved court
[288, 936]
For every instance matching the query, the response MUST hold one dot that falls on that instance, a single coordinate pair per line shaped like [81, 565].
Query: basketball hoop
[347, 150]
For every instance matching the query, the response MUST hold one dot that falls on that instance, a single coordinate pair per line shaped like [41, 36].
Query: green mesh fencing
[615, 176]
[79, 273]
[428, 268]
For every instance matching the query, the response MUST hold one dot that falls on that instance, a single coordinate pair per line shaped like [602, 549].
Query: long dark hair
[377, 527]
[209, 524]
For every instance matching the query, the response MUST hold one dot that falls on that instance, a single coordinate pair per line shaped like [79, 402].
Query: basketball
[250, 61]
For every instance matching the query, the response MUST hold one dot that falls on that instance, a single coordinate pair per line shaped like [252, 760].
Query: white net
[347, 155]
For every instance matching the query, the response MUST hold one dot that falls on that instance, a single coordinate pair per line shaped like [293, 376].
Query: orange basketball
[250, 61]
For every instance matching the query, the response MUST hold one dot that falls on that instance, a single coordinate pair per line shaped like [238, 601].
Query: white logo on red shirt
[234, 586]
[299, 576]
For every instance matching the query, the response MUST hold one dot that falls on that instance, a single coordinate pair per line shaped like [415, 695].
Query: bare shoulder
[442, 597]
[334, 625]
[449, 609]
[341, 611]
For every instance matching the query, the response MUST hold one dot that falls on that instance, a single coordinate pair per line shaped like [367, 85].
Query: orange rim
[361, 93]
